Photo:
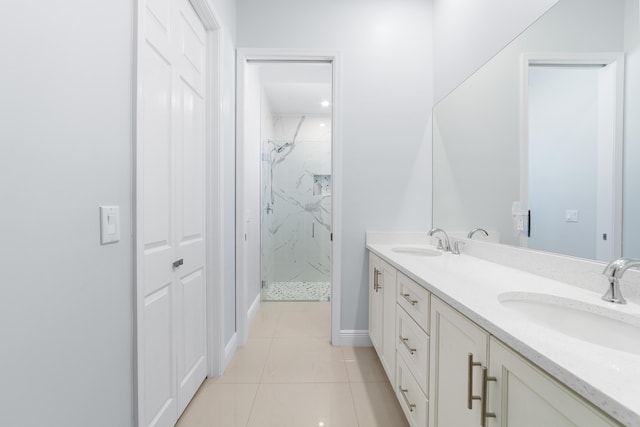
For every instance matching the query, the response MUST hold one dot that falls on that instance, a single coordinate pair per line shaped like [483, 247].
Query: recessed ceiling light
[325, 103]
[322, 125]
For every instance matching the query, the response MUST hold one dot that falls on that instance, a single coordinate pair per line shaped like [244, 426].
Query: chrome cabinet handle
[470, 396]
[406, 399]
[408, 298]
[404, 341]
[178, 263]
[484, 414]
[376, 279]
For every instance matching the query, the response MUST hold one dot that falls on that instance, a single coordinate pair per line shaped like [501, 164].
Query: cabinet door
[375, 303]
[453, 338]
[525, 396]
[387, 283]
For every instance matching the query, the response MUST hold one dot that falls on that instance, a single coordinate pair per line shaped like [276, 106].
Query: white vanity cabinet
[458, 352]
[412, 350]
[475, 380]
[382, 312]
[524, 396]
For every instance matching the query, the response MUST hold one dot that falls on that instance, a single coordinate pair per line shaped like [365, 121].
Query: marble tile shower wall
[296, 199]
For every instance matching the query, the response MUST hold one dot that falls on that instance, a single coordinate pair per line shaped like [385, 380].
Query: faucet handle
[456, 247]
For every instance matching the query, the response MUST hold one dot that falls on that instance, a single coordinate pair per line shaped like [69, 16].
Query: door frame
[615, 59]
[243, 316]
[214, 225]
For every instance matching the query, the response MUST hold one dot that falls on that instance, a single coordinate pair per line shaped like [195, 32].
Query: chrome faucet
[614, 272]
[446, 246]
[475, 230]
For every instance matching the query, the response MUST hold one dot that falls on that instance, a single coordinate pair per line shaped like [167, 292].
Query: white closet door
[170, 210]
[190, 202]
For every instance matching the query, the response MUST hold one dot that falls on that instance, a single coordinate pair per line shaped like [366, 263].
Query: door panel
[171, 209]
[191, 335]
[190, 205]
[157, 25]
[155, 194]
[159, 374]
[156, 170]
[192, 48]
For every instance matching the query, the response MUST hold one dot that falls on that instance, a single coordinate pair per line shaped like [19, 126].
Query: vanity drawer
[413, 346]
[412, 400]
[414, 299]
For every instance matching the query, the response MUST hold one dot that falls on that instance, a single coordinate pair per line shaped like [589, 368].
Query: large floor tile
[264, 324]
[248, 363]
[304, 360]
[377, 406]
[363, 365]
[217, 405]
[315, 323]
[295, 405]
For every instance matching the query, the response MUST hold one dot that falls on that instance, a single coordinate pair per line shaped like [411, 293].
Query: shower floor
[297, 291]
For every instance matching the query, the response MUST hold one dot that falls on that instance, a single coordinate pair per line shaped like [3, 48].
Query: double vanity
[470, 342]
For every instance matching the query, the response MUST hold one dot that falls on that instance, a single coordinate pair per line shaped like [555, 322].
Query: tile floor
[288, 374]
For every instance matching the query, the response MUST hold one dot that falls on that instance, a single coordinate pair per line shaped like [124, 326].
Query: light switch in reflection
[571, 215]
[109, 224]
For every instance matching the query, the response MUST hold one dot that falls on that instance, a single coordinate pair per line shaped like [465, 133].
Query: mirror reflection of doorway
[571, 146]
[295, 176]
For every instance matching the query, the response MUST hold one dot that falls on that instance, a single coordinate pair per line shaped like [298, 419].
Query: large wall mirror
[541, 146]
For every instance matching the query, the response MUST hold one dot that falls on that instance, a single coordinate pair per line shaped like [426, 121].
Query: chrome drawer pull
[406, 400]
[470, 396]
[408, 298]
[483, 409]
[404, 341]
[376, 279]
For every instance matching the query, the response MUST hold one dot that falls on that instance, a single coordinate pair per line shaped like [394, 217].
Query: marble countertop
[610, 379]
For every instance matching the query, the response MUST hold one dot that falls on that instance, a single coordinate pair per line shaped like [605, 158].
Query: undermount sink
[587, 322]
[414, 250]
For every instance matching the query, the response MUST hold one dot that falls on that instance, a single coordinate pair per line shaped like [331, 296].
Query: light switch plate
[109, 224]
[571, 215]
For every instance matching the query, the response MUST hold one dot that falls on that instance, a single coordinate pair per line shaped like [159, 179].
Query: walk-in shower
[296, 207]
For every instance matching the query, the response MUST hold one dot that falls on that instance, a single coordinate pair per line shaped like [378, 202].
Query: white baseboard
[354, 338]
[229, 351]
[253, 309]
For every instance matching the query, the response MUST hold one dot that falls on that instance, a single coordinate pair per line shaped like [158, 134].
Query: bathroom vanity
[469, 342]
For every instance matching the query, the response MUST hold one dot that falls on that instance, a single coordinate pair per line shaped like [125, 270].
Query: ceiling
[297, 88]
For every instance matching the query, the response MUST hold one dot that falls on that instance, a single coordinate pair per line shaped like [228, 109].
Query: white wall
[386, 99]
[66, 309]
[225, 11]
[251, 216]
[631, 180]
[469, 32]
[563, 125]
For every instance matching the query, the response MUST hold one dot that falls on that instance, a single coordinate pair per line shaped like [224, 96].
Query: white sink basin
[587, 322]
[414, 250]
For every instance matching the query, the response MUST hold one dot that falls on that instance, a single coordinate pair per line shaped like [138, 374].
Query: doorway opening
[571, 154]
[288, 183]
[295, 187]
